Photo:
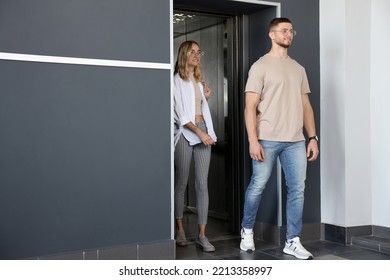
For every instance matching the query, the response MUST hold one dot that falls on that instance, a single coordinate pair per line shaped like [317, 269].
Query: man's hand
[256, 151]
[312, 150]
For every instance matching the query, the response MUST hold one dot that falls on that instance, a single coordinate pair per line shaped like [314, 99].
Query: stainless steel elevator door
[210, 32]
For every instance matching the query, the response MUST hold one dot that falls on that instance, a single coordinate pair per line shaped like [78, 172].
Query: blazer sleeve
[181, 114]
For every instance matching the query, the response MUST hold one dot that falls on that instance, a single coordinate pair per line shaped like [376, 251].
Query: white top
[184, 106]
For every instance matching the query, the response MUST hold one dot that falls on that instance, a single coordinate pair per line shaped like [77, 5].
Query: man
[277, 108]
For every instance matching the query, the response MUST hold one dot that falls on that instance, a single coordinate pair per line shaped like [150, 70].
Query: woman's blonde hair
[181, 62]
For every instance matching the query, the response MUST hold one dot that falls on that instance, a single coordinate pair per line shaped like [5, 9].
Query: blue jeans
[293, 160]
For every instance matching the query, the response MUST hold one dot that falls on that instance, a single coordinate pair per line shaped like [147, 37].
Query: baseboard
[319, 231]
[383, 232]
[344, 235]
[161, 250]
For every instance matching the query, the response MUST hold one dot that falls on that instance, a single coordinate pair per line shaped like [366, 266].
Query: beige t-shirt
[280, 82]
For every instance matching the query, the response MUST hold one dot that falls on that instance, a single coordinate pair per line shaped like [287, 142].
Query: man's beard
[283, 45]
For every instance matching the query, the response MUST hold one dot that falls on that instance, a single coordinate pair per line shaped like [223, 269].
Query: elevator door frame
[240, 64]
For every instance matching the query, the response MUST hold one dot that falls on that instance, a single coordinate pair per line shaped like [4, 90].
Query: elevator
[224, 36]
[214, 35]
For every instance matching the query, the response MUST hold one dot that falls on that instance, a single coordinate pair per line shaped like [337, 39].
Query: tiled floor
[227, 247]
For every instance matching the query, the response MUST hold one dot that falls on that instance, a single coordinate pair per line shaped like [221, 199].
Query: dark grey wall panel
[121, 29]
[305, 15]
[305, 49]
[84, 157]
[260, 42]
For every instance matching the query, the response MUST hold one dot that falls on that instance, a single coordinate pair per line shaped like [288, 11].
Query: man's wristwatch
[313, 137]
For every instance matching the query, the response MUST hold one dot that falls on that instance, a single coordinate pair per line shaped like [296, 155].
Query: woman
[194, 135]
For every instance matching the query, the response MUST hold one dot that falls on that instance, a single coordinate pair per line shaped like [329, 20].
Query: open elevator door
[214, 35]
[231, 33]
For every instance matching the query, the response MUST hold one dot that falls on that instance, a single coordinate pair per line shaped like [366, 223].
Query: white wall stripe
[83, 61]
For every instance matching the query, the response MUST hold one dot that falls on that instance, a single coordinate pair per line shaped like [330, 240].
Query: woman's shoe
[203, 243]
[180, 238]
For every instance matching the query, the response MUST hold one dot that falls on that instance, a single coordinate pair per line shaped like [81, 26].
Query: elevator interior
[210, 32]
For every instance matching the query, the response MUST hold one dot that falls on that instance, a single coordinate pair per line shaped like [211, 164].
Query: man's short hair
[276, 21]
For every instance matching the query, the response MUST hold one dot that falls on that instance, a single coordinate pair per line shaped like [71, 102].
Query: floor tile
[256, 255]
[228, 247]
[364, 255]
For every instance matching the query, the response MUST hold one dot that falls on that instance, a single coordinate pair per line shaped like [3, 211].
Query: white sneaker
[247, 243]
[295, 248]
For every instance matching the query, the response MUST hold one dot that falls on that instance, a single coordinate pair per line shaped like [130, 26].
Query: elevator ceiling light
[181, 17]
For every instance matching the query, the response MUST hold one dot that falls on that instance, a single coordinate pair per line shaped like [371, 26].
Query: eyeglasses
[292, 32]
[194, 53]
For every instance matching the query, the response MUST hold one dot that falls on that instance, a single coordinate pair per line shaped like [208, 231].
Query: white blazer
[184, 106]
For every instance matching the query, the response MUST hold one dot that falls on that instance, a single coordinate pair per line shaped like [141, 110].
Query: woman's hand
[206, 90]
[206, 139]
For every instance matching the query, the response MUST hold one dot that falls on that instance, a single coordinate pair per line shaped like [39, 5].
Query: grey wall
[84, 150]
[120, 29]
